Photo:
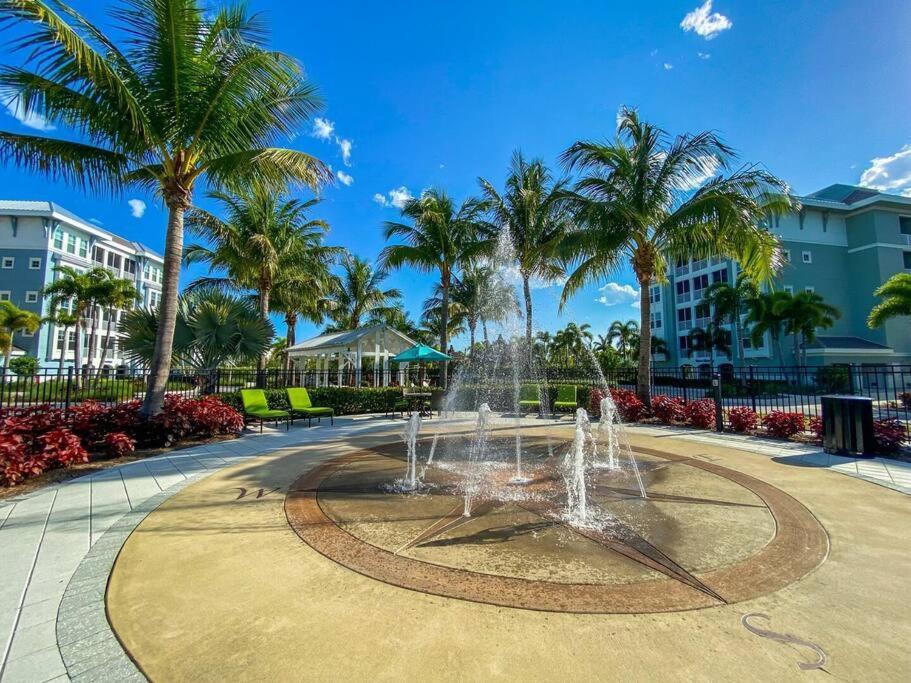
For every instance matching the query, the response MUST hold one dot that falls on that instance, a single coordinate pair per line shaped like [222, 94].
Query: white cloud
[668, 66]
[890, 174]
[27, 119]
[345, 146]
[704, 22]
[711, 167]
[615, 294]
[137, 207]
[704, 55]
[344, 178]
[322, 128]
[399, 196]
[380, 199]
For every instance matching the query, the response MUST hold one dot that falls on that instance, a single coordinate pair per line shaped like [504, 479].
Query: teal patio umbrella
[421, 353]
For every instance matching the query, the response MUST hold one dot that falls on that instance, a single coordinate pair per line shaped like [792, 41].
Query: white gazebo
[350, 348]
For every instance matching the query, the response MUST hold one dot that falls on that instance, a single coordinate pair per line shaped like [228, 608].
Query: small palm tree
[358, 294]
[190, 94]
[13, 319]
[121, 294]
[213, 328]
[62, 318]
[710, 339]
[896, 294]
[763, 316]
[623, 334]
[534, 209]
[730, 303]
[440, 237]
[804, 313]
[79, 290]
[305, 294]
[636, 205]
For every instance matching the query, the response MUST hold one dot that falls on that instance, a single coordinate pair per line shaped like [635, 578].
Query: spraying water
[574, 466]
[410, 437]
[475, 455]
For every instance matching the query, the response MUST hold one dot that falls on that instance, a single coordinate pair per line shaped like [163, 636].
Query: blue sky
[437, 94]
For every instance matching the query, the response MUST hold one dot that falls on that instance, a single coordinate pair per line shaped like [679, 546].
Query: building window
[720, 276]
[700, 264]
[809, 289]
[906, 255]
[129, 265]
[683, 291]
[25, 333]
[655, 320]
[83, 248]
[4, 295]
[684, 343]
[98, 255]
[154, 298]
[31, 297]
[684, 318]
[786, 255]
[9, 262]
[58, 239]
[654, 294]
[806, 256]
[789, 289]
[114, 260]
[904, 225]
[699, 285]
[70, 243]
[34, 264]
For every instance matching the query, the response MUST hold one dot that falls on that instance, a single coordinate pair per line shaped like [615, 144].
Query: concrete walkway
[46, 534]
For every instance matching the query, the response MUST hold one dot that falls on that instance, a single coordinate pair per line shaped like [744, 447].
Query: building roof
[849, 197]
[43, 208]
[347, 338]
[841, 343]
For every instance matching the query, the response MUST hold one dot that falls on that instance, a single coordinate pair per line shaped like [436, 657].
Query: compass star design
[618, 537]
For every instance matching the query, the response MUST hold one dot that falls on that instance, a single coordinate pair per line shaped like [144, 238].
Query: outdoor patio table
[417, 399]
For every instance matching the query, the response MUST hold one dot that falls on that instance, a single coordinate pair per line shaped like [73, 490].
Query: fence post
[752, 390]
[719, 410]
[683, 381]
[851, 389]
[69, 384]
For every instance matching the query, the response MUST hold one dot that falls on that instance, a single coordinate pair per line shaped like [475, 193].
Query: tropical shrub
[743, 419]
[35, 442]
[889, 435]
[783, 424]
[118, 444]
[24, 366]
[700, 413]
[629, 405]
[905, 398]
[833, 379]
[594, 403]
[815, 425]
[668, 409]
[343, 400]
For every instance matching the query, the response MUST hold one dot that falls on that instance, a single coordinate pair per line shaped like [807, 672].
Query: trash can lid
[847, 397]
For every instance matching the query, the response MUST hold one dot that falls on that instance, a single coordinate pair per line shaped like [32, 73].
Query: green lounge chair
[299, 400]
[530, 397]
[566, 398]
[256, 406]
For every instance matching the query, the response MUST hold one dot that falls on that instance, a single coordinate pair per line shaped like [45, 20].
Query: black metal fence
[763, 389]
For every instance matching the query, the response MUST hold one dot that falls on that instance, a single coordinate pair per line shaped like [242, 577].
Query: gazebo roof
[344, 340]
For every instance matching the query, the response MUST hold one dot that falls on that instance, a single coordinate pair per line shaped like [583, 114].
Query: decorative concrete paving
[45, 536]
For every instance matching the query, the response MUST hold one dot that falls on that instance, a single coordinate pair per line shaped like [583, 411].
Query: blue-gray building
[37, 236]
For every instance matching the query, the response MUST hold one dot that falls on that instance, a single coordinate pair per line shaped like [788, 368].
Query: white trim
[30, 293]
[878, 245]
[31, 263]
[11, 260]
[850, 352]
[5, 295]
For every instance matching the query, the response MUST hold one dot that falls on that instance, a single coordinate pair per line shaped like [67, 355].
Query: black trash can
[847, 423]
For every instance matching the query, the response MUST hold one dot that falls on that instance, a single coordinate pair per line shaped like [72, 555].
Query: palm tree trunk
[77, 354]
[741, 352]
[66, 347]
[484, 330]
[264, 314]
[796, 349]
[643, 379]
[472, 325]
[107, 340]
[160, 367]
[528, 320]
[291, 324]
[444, 331]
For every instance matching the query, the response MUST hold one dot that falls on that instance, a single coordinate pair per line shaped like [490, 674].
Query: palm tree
[623, 333]
[729, 303]
[191, 93]
[633, 207]
[711, 339]
[896, 293]
[762, 318]
[533, 208]
[13, 319]
[213, 328]
[466, 300]
[572, 341]
[78, 289]
[265, 236]
[62, 318]
[358, 294]
[303, 295]
[803, 314]
[440, 237]
[121, 294]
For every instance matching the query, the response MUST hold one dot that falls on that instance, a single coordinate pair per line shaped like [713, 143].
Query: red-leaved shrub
[594, 403]
[700, 413]
[814, 424]
[62, 447]
[783, 424]
[118, 444]
[743, 419]
[667, 409]
[889, 435]
[630, 406]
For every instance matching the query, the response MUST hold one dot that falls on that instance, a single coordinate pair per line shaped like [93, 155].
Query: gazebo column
[359, 359]
[341, 362]
[376, 363]
[385, 368]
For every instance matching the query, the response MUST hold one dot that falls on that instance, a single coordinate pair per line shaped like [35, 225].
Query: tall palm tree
[624, 334]
[534, 209]
[573, 341]
[13, 319]
[440, 237]
[358, 294]
[264, 236]
[78, 289]
[896, 294]
[191, 93]
[804, 313]
[62, 318]
[121, 295]
[729, 304]
[763, 316]
[634, 207]
[304, 295]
